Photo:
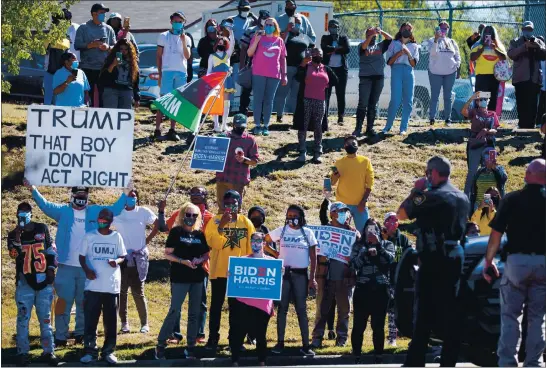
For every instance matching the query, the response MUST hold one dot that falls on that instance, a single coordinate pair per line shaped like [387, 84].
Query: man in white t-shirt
[101, 253]
[173, 52]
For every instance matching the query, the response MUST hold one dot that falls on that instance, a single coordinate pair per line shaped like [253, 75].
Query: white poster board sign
[89, 147]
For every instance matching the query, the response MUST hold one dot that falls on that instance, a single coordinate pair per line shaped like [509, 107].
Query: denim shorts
[171, 79]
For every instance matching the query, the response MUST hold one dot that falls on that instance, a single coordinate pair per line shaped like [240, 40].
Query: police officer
[441, 211]
[521, 215]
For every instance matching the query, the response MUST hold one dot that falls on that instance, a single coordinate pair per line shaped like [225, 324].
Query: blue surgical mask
[257, 246]
[211, 29]
[23, 218]
[101, 17]
[269, 29]
[131, 201]
[342, 217]
[75, 64]
[527, 34]
[483, 103]
[177, 28]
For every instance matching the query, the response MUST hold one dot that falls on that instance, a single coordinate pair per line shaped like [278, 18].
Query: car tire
[421, 101]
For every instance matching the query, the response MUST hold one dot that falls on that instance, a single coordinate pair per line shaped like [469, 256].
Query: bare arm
[493, 245]
[252, 49]
[154, 232]
[159, 58]
[464, 110]
[476, 54]
[185, 48]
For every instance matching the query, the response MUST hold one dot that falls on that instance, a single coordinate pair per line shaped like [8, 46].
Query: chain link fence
[506, 17]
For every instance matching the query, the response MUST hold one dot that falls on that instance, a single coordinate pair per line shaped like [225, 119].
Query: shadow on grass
[13, 141]
[158, 270]
[521, 161]
[435, 136]
[10, 182]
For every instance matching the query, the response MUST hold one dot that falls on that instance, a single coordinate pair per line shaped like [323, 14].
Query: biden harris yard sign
[257, 278]
[334, 243]
[72, 146]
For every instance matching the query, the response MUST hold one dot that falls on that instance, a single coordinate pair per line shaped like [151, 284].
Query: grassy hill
[276, 182]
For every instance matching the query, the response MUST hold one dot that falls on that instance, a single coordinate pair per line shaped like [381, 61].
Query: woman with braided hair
[297, 247]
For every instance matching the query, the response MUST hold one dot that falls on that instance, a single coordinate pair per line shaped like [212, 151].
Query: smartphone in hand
[74, 72]
[327, 185]
[492, 155]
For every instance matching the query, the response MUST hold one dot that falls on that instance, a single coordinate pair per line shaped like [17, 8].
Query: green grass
[277, 182]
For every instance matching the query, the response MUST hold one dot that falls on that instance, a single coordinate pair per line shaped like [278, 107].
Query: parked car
[28, 84]
[421, 95]
[480, 301]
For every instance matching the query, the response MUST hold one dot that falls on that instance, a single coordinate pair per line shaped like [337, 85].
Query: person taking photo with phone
[121, 28]
[370, 260]
[527, 51]
[486, 210]
[483, 127]
[490, 174]
[298, 248]
[70, 84]
[486, 53]
[94, 40]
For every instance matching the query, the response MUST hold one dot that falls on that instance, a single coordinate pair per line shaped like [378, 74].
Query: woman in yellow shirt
[486, 52]
[486, 210]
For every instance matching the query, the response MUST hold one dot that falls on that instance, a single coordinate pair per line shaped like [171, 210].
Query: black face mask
[351, 149]
[189, 221]
[406, 34]
[293, 221]
[238, 130]
[257, 221]
[317, 59]
[220, 48]
[290, 12]
[79, 201]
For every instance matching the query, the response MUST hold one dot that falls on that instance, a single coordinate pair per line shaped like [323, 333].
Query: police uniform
[441, 215]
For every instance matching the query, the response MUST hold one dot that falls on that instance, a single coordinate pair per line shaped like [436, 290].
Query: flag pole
[192, 145]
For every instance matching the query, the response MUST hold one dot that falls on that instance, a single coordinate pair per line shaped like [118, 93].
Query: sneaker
[60, 343]
[340, 120]
[317, 159]
[189, 353]
[278, 349]
[301, 157]
[385, 131]
[211, 345]
[265, 132]
[448, 122]
[23, 360]
[257, 130]
[403, 132]
[157, 134]
[159, 352]
[200, 340]
[88, 358]
[316, 344]
[306, 350]
[111, 359]
[371, 133]
[145, 329]
[432, 121]
[331, 335]
[340, 343]
[50, 359]
[171, 135]
[78, 340]
[124, 328]
[356, 133]
[391, 343]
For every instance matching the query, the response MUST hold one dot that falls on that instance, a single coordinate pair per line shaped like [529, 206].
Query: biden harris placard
[256, 278]
[68, 146]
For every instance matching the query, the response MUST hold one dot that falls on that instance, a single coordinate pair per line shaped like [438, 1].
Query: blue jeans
[48, 88]
[360, 218]
[402, 84]
[178, 295]
[69, 286]
[264, 89]
[445, 82]
[113, 98]
[289, 91]
[26, 298]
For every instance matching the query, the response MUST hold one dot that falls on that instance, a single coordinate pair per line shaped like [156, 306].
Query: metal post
[380, 16]
[450, 19]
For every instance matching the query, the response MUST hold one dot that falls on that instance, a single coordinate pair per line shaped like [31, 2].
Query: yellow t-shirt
[234, 241]
[356, 175]
[483, 222]
[485, 64]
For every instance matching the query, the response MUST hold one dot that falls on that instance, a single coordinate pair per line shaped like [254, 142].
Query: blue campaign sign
[256, 278]
[210, 153]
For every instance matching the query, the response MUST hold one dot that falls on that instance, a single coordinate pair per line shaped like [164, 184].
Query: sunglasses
[482, 99]
[190, 215]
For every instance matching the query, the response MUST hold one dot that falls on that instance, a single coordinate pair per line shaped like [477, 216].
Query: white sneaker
[403, 132]
[391, 343]
[88, 358]
[125, 328]
[145, 329]
[111, 359]
[385, 130]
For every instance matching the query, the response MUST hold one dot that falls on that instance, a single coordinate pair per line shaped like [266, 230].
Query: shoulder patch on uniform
[419, 199]
[39, 237]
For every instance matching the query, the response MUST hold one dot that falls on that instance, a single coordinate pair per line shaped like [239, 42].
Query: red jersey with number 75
[35, 255]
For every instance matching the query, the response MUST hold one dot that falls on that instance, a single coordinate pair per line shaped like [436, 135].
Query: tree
[27, 28]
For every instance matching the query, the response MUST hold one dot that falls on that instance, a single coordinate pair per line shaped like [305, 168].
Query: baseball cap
[333, 22]
[389, 214]
[115, 15]
[244, 3]
[239, 120]
[338, 206]
[178, 13]
[528, 24]
[264, 14]
[98, 6]
[80, 189]
[291, 1]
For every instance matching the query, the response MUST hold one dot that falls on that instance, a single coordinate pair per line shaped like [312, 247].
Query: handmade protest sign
[334, 243]
[256, 278]
[210, 153]
[68, 146]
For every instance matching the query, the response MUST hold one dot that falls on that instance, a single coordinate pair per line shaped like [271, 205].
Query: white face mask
[244, 14]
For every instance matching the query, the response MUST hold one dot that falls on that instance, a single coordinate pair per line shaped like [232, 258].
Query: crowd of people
[100, 252]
